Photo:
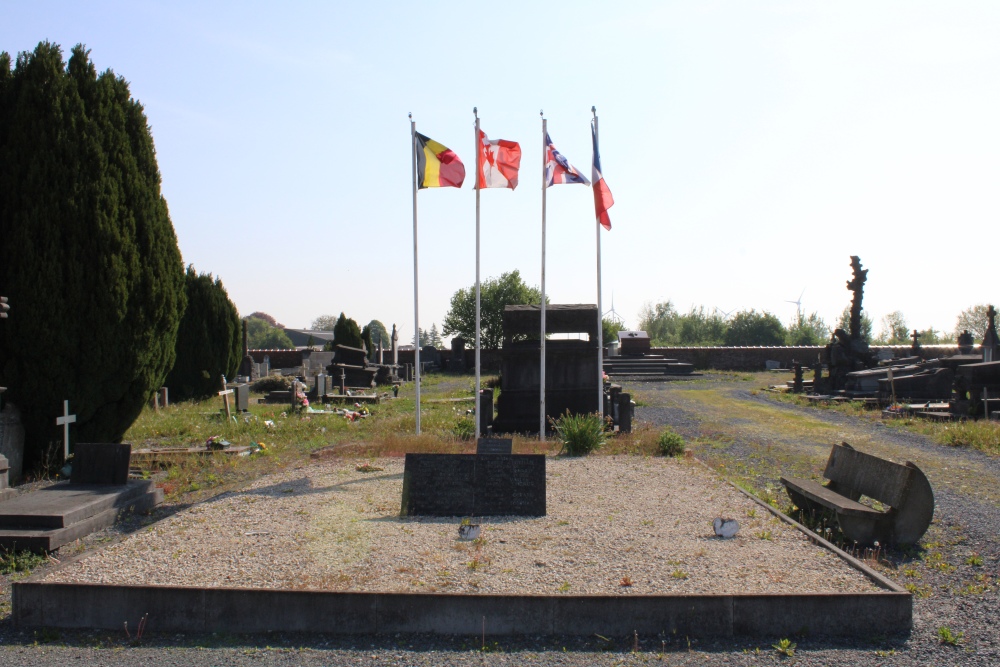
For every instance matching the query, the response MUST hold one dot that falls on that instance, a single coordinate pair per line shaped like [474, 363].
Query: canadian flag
[499, 161]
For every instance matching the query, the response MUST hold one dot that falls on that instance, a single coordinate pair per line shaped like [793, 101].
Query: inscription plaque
[495, 446]
[472, 485]
[100, 463]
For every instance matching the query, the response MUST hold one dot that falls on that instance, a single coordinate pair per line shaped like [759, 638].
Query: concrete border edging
[242, 611]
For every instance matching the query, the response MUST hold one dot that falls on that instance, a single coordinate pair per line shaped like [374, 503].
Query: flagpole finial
[541, 113]
[475, 111]
[410, 115]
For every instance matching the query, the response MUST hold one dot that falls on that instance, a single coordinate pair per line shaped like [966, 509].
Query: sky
[751, 148]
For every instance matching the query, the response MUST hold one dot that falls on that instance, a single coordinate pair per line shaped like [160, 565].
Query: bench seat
[824, 496]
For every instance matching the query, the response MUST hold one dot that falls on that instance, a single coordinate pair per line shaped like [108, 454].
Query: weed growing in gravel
[946, 636]
[563, 587]
[679, 574]
[19, 561]
[670, 443]
[975, 560]
[785, 647]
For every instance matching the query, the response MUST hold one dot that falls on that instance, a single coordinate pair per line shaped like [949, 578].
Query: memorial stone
[494, 446]
[472, 485]
[100, 463]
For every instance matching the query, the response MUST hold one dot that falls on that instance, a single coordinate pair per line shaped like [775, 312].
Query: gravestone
[457, 362]
[486, 411]
[321, 385]
[494, 446]
[100, 463]
[12, 440]
[395, 346]
[242, 394]
[430, 357]
[472, 485]
[5, 492]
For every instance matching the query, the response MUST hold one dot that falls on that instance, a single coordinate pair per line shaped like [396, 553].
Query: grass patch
[13, 562]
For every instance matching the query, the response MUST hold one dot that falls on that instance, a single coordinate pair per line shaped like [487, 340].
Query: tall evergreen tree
[89, 254]
[346, 332]
[209, 341]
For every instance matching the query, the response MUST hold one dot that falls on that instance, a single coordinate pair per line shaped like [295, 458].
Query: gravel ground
[609, 519]
[952, 592]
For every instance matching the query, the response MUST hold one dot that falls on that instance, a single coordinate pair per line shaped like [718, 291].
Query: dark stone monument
[457, 362]
[797, 381]
[915, 347]
[430, 357]
[473, 485]
[991, 342]
[486, 411]
[965, 342]
[321, 385]
[571, 379]
[247, 367]
[848, 352]
[633, 343]
[352, 362]
[100, 463]
[624, 413]
[495, 446]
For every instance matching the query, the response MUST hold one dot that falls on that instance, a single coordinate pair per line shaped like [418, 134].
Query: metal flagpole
[416, 298]
[541, 349]
[479, 168]
[600, 314]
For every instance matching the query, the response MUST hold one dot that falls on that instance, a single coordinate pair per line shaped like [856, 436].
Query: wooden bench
[852, 474]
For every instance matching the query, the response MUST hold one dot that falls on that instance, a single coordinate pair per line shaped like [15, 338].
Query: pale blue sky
[751, 147]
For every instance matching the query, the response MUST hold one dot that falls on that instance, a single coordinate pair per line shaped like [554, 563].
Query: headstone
[486, 411]
[430, 357]
[915, 348]
[772, 365]
[965, 342]
[471, 485]
[457, 362]
[5, 492]
[266, 370]
[624, 413]
[494, 446]
[991, 342]
[100, 463]
[242, 395]
[797, 378]
[321, 385]
[12, 440]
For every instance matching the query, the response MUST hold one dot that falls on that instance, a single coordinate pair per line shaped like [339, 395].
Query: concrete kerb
[38, 603]
[243, 611]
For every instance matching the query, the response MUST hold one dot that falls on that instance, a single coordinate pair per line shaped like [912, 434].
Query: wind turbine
[615, 317]
[798, 304]
[725, 315]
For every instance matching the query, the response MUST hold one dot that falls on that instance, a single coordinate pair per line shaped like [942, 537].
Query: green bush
[271, 383]
[670, 443]
[581, 434]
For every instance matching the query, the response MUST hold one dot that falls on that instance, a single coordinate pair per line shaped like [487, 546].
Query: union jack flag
[557, 167]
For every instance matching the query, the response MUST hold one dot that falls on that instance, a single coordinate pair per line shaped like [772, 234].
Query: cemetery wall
[754, 358]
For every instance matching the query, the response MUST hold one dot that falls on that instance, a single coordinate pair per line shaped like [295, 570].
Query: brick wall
[753, 358]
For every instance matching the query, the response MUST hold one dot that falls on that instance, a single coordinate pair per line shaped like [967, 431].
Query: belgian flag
[437, 165]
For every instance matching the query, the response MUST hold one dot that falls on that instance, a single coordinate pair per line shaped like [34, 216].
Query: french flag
[602, 193]
[558, 169]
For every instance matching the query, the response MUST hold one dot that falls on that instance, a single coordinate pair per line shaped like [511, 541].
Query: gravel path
[952, 591]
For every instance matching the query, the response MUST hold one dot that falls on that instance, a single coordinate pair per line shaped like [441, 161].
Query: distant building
[300, 337]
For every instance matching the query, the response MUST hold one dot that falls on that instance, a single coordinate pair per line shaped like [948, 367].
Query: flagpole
[541, 349]
[416, 298]
[600, 314]
[479, 168]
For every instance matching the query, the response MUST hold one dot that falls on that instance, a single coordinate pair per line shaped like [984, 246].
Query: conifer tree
[346, 332]
[209, 340]
[88, 254]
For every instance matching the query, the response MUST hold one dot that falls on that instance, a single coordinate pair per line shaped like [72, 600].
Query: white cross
[225, 397]
[65, 421]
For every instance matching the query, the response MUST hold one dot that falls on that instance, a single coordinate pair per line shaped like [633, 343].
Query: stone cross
[915, 335]
[65, 421]
[225, 397]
